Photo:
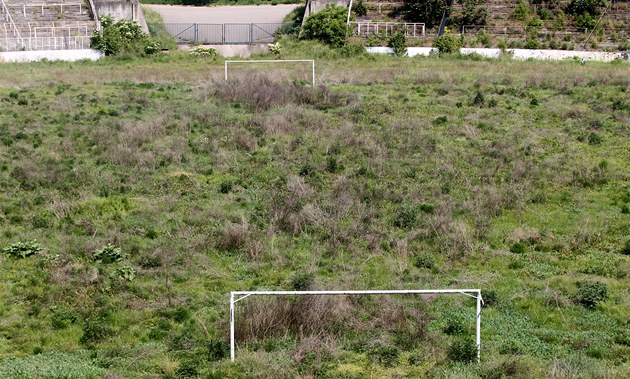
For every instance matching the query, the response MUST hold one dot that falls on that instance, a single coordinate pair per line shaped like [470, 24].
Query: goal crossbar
[311, 61]
[236, 296]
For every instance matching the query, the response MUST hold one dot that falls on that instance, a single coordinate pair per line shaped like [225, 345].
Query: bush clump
[22, 249]
[589, 294]
[398, 43]
[204, 52]
[462, 350]
[122, 37]
[447, 44]
[109, 254]
[328, 26]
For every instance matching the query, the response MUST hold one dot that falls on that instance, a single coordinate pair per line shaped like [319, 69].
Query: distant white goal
[311, 61]
[236, 296]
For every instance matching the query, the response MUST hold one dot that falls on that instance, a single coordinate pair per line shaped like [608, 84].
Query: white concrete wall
[557, 55]
[231, 51]
[487, 53]
[51, 55]
[521, 54]
[411, 51]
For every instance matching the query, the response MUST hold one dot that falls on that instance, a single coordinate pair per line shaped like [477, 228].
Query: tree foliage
[122, 37]
[473, 13]
[428, 11]
[590, 7]
[328, 26]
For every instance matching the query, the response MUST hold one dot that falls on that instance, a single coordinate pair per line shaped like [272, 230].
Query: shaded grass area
[393, 173]
[157, 30]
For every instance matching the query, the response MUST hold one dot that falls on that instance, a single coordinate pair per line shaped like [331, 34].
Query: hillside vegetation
[135, 194]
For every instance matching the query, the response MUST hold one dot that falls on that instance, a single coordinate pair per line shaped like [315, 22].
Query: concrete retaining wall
[122, 10]
[51, 55]
[314, 6]
[231, 51]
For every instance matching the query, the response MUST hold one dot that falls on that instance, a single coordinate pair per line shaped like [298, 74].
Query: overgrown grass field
[153, 188]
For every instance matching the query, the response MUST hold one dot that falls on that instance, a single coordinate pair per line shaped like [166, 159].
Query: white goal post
[273, 61]
[236, 296]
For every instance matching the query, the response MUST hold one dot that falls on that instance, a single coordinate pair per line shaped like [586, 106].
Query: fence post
[196, 32]
[223, 35]
[251, 33]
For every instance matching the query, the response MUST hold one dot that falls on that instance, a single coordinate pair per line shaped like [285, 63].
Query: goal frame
[225, 64]
[236, 296]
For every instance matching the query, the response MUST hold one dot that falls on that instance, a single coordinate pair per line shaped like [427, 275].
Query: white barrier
[520, 54]
[51, 55]
[411, 51]
[558, 55]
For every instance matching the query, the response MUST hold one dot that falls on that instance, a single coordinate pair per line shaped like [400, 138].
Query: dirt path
[223, 14]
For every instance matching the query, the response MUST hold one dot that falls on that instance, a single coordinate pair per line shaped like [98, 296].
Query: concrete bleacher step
[44, 24]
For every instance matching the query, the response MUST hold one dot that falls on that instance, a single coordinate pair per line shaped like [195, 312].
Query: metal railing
[78, 30]
[46, 43]
[368, 28]
[227, 33]
[43, 7]
[16, 33]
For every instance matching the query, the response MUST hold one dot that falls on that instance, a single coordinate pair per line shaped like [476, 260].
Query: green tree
[427, 11]
[328, 26]
[122, 36]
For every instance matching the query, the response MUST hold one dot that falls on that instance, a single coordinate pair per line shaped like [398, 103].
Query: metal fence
[227, 33]
[369, 28]
[45, 43]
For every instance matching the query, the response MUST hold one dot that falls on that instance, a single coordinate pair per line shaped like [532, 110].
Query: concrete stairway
[46, 24]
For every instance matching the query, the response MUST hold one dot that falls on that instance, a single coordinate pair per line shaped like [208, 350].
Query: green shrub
[479, 99]
[22, 249]
[205, 52]
[473, 14]
[122, 37]
[328, 26]
[521, 12]
[398, 43]
[462, 350]
[447, 44]
[303, 281]
[489, 297]
[109, 254]
[405, 216]
[626, 248]
[589, 294]
[518, 248]
[62, 316]
[424, 261]
[125, 273]
[359, 8]
[585, 20]
[454, 326]
[94, 331]
[385, 355]
[483, 38]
